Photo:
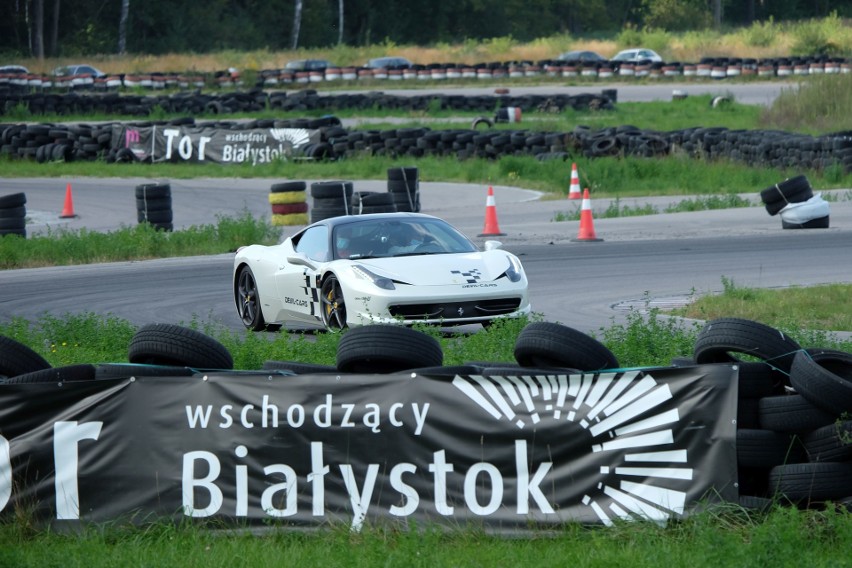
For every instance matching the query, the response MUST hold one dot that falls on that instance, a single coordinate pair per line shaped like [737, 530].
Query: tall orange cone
[68, 209]
[574, 190]
[587, 225]
[491, 229]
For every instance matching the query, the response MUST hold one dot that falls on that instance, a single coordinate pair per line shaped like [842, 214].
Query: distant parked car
[388, 63]
[13, 70]
[581, 55]
[308, 65]
[637, 54]
[78, 69]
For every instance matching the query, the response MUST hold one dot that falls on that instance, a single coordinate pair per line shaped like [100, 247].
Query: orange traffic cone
[574, 191]
[587, 225]
[491, 228]
[68, 209]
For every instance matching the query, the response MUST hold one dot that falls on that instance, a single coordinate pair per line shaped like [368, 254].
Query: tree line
[53, 28]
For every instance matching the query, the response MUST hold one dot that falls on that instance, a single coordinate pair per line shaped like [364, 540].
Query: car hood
[441, 269]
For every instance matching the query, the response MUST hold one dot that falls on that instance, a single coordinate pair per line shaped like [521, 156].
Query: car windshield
[378, 238]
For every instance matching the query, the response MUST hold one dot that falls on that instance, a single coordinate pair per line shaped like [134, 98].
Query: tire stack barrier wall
[154, 205]
[13, 214]
[792, 419]
[404, 186]
[330, 199]
[772, 149]
[794, 201]
[289, 203]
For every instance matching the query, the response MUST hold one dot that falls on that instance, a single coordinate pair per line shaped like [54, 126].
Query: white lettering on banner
[360, 493]
[184, 144]
[326, 415]
[66, 436]
[247, 153]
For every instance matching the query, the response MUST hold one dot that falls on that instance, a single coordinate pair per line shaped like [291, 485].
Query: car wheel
[333, 304]
[248, 300]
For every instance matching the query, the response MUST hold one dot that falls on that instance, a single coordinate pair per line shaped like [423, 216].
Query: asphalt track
[639, 262]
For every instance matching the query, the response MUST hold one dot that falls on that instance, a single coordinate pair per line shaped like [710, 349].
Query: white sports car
[379, 268]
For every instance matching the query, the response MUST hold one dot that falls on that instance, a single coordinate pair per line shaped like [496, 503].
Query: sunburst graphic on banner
[295, 136]
[622, 413]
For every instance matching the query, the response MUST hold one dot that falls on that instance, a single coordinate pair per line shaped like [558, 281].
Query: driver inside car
[404, 239]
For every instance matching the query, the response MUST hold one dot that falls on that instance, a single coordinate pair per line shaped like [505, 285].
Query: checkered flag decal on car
[472, 276]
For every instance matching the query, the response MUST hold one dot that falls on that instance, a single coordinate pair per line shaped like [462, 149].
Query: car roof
[13, 69]
[347, 219]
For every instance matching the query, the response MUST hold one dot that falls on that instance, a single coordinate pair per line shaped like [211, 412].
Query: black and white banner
[251, 448]
[173, 143]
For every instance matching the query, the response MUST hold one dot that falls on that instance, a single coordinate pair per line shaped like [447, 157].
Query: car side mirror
[301, 260]
[493, 245]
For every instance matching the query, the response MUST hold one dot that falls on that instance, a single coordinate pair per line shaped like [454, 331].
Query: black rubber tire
[386, 349]
[68, 373]
[127, 370]
[156, 216]
[153, 190]
[13, 223]
[759, 379]
[553, 345]
[831, 443]
[781, 193]
[247, 300]
[825, 379]
[818, 223]
[822, 481]
[169, 344]
[298, 367]
[722, 340]
[13, 212]
[765, 448]
[404, 173]
[323, 189]
[288, 186]
[12, 200]
[154, 204]
[754, 503]
[748, 413]
[17, 359]
[332, 304]
[792, 413]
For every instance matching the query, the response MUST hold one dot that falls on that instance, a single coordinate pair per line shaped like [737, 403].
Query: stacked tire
[794, 201]
[404, 187]
[289, 203]
[364, 202]
[331, 199]
[154, 205]
[793, 425]
[13, 214]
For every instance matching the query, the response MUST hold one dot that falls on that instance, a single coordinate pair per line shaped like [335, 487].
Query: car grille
[456, 310]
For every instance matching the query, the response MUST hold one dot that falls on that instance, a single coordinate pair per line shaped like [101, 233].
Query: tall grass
[768, 39]
[823, 104]
[133, 243]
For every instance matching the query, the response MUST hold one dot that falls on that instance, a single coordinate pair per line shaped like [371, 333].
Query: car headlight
[367, 274]
[515, 270]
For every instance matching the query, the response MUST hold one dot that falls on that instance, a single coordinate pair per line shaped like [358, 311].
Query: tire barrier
[289, 203]
[13, 215]
[714, 68]
[793, 428]
[404, 187]
[154, 205]
[331, 199]
[792, 437]
[794, 201]
[194, 104]
[756, 147]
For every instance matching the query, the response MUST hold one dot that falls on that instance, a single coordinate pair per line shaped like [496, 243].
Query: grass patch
[705, 203]
[138, 242]
[822, 307]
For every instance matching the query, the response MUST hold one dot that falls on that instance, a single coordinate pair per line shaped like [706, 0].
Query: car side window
[314, 244]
